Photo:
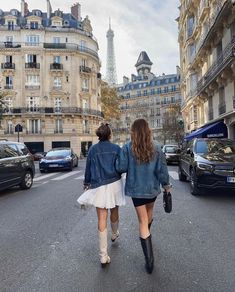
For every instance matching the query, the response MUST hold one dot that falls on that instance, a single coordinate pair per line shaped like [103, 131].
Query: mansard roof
[143, 59]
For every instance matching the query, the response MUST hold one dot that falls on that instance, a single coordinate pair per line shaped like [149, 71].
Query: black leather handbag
[167, 202]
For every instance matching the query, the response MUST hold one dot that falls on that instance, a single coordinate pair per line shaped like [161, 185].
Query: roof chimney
[76, 11]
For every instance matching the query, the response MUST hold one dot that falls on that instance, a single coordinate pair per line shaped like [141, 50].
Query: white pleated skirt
[107, 196]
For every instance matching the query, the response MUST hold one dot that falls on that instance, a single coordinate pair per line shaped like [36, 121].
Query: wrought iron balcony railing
[58, 131]
[52, 110]
[34, 132]
[8, 65]
[8, 86]
[85, 69]
[32, 87]
[56, 66]
[10, 45]
[32, 65]
[222, 61]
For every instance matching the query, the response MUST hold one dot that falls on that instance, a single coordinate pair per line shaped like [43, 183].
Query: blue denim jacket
[143, 180]
[100, 164]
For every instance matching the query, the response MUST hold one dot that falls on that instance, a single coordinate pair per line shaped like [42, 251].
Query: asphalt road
[48, 243]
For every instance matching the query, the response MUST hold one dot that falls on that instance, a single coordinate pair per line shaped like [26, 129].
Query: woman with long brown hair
[146, 169]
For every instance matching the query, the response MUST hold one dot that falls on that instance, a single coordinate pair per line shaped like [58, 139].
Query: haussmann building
[50, 70]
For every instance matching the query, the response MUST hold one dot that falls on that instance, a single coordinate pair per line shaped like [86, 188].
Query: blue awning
[215, 130]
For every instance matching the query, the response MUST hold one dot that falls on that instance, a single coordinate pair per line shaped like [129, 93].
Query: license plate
[54, 165]
[231, 179]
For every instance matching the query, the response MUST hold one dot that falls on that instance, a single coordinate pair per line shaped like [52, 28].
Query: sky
[147, 25]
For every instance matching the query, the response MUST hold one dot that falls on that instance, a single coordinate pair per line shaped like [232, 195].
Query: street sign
[18, 128]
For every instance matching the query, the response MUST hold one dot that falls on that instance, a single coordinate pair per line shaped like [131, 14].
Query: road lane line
[80, 177]
[66, 175]
[174, 175]
[43, 176]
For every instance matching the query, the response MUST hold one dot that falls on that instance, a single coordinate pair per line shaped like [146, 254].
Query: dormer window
[14, 12]
[56, 23]
[34, 25]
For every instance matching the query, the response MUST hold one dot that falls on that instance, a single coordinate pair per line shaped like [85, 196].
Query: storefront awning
[215, 130]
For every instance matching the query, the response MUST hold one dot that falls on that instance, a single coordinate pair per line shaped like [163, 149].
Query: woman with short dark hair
[104, 188]
[146, 168]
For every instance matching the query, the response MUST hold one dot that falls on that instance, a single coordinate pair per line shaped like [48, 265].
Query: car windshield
[216, 146]
[56, 153]
[171, 149]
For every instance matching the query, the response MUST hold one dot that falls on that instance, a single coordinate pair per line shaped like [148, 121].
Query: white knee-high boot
[115, 231]
[104, 258]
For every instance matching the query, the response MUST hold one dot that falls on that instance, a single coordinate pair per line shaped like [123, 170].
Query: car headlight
[205, 166]
[68, 158]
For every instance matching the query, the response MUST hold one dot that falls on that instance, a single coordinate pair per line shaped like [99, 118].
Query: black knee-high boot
[148, 253]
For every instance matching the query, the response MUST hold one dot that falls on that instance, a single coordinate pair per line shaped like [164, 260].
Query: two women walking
[146, 169]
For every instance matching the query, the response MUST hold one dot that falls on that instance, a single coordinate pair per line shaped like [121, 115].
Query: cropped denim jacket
[100, 164]
[143, 180]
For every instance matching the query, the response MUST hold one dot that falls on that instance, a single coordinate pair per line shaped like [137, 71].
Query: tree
[110, 102]
[172, 124]
[2, 104]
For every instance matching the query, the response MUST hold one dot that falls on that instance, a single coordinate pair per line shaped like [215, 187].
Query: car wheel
[27, 181]
[195, 191]
[182, 176]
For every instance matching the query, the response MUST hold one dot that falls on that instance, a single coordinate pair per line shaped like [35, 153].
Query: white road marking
[44, 176]
[80, 177]
[66, 175]
[174, 175]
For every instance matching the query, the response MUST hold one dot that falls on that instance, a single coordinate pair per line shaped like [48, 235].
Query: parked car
[172, 153]
[209, 163]
[39, 155]
[58, 158]
[16, 165]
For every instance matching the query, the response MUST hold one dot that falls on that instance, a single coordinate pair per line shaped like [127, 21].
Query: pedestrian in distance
[145, 166]
[103, 187]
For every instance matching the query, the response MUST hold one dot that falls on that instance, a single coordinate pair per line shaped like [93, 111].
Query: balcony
[32, 87]
[9, 45]
[203, 9]
[53, 110]
[85, 89]
[9, 132]
[84, 69]
[8, 86]
[8, 65]
[32, 65]
[57, 87]
[222, 108]
[56, 66]
[54, 46]
[222, 62]
[34, 132]
[58, 131]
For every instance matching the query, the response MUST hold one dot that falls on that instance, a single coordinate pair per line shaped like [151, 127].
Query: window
[57, 23]
[83, 62]
[58, 105]
[84, 104]
[9, 82]
[23, 149]
[10, 25]
[33, 103]
[32, 80]
[10, 151]
[8, 103]
[9, 39]
[172, 99]
[85, 85]
[166, 89]
[145, 92]
[9, 129]
[32, 40]
[34, 25]
[152, 92]
[30, 58]
[58, 126]
[158, 111]
[8, 59]
[86, 126]
[159, 90]
[138, 93]
[56, 40]
[34, 126]
[57, 82]
[57, 59]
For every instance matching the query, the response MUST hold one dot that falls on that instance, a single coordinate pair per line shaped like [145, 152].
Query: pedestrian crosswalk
[74, 175]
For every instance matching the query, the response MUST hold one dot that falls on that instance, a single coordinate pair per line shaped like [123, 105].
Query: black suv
[208, 163]
[16, 165]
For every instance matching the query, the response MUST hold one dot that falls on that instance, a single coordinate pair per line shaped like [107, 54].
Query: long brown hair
[142, 144]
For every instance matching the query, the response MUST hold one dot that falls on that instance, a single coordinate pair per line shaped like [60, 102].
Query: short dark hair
[103, 132]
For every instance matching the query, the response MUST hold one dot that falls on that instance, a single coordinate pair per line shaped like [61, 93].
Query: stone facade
[50, 70]
[146, 96]
[207, 50]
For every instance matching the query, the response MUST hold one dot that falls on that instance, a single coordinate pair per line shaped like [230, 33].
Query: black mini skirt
[142, 201]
